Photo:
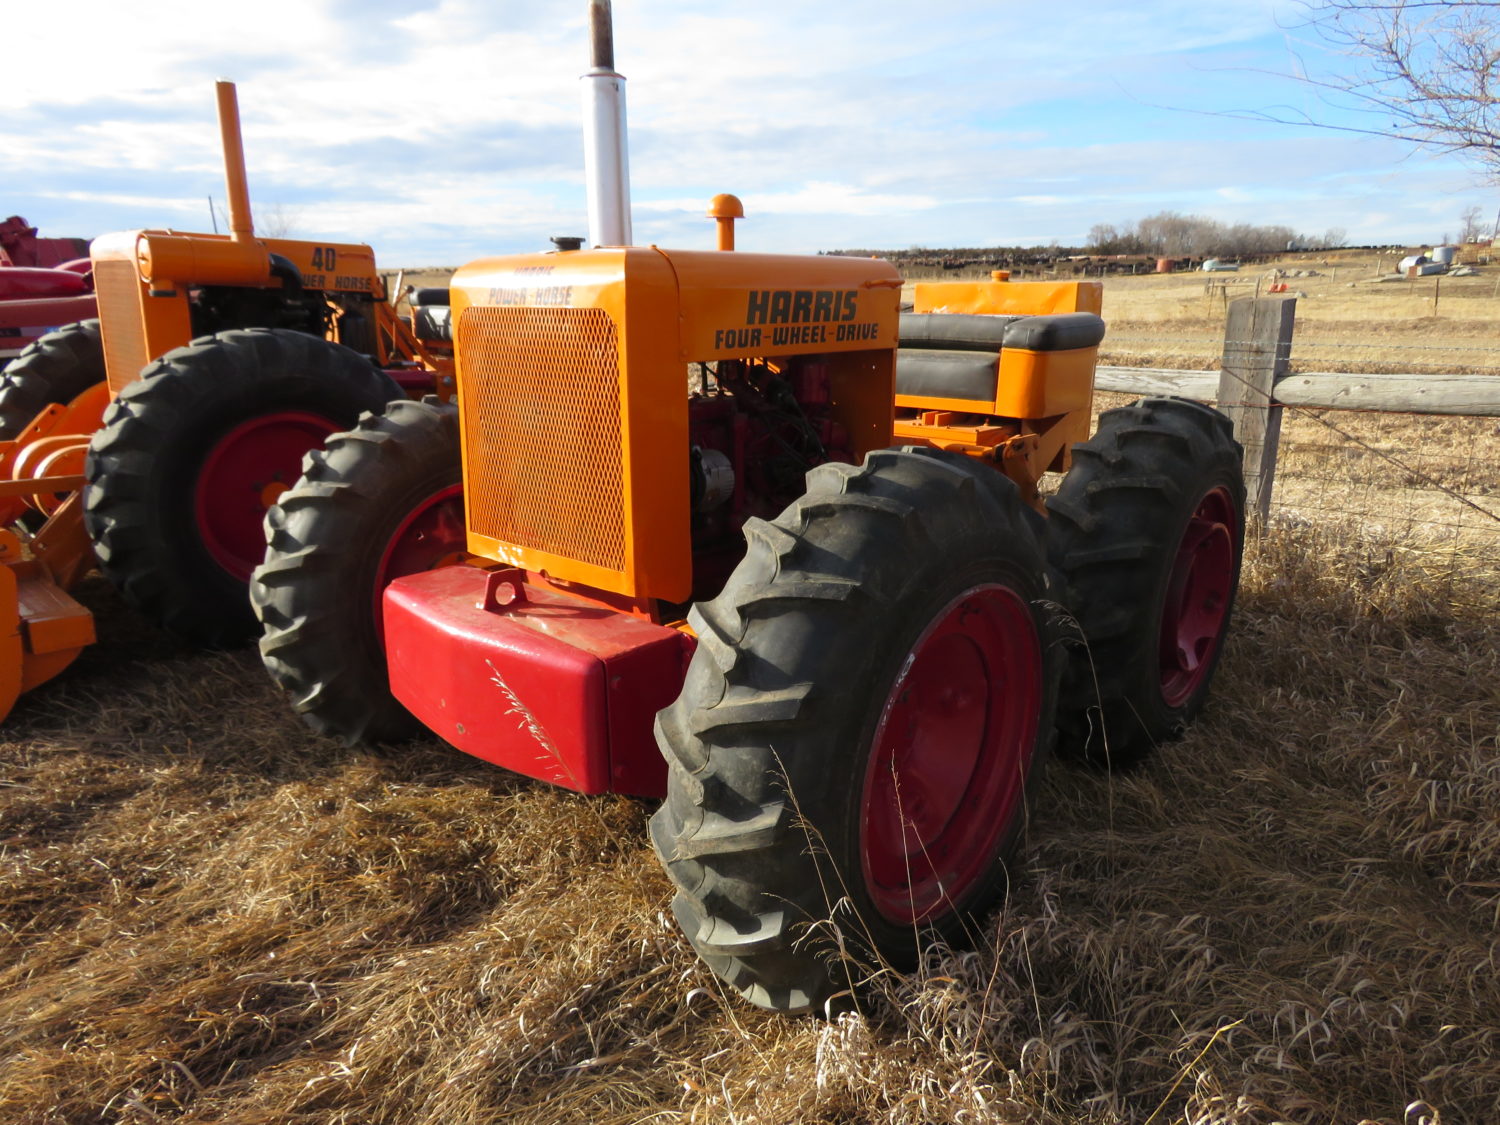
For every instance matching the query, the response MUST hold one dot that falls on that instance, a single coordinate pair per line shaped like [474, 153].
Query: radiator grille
[119, 294]
[540, 389]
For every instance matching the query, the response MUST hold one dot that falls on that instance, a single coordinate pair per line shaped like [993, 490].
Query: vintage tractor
[156, 436]
[668, 498]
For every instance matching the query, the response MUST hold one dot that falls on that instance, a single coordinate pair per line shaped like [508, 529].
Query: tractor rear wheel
[193, 454]
[55, 369]
[869, 703]
[1146, 530]
[380, 502]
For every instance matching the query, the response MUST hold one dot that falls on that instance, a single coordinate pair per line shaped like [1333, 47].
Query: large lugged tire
[55, 369]
[192, 455]
[871, 697]
[372, 505]
[1146, 531]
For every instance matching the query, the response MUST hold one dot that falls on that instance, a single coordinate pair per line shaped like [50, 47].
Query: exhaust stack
[605, 163]
[241, 227]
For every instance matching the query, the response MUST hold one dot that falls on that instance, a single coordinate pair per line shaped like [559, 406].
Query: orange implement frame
[42, 629]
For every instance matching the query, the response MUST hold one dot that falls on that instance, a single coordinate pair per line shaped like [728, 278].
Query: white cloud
[437, 130]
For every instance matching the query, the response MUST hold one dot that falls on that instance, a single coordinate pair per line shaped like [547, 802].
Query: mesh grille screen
[119, 295]
[541, 417]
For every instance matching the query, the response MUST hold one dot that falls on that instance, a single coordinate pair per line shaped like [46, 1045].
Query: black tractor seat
[430, 316]
[957, 355]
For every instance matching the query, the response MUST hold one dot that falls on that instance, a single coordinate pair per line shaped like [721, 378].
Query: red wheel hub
[1198, 593]
[950, 755]
[431, 535]
[243, 474]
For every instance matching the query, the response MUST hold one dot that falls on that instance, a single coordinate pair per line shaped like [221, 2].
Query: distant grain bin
[1444, 254]
[1165, 265]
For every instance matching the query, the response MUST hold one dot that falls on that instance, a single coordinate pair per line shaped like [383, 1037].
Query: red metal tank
[24, 283]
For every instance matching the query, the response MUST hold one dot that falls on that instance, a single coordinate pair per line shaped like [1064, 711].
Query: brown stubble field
[209, 915]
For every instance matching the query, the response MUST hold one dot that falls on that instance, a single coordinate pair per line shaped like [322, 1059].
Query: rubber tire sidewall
[143, 466]
[769, 743]
[314, 594]
[1160, 719]
[54, 369]
[888, 648]
[1113, 713]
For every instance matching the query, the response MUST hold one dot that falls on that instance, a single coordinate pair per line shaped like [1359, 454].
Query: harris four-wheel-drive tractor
[155, 436]
[701, 492]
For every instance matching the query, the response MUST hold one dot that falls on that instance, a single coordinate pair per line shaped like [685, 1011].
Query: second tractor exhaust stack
[606, 165]
[236, 184]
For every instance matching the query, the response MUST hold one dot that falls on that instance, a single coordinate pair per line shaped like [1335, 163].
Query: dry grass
[209, 915]
[1346, 320]
[1432, 483]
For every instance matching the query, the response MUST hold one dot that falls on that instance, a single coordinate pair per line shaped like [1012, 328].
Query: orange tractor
[724, 539]
[155, 437]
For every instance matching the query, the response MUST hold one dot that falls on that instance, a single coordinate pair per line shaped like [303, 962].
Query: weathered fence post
[1257, 348]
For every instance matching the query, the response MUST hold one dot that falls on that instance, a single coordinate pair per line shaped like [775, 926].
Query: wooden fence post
[1257, 348]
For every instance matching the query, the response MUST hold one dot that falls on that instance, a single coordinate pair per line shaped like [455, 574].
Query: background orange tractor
[155, 436]
[684, 512]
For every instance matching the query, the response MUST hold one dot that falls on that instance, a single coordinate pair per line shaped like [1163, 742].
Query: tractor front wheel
[1147, 531]
[53, 370]
[380, 502]
[193, 454]
[867, 708]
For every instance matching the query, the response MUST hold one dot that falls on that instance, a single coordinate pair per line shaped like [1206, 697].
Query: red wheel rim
[244, 473]
[431, 535]
[1198, 594]
[950, 755]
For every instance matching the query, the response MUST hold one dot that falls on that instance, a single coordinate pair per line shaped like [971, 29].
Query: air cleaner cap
[726, 206]
[567, 241]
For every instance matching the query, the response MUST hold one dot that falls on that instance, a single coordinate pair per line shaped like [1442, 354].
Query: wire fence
[1407, 481]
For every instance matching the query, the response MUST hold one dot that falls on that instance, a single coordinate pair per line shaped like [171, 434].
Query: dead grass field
[1398, 476]
[1346, 319]
[209, 915]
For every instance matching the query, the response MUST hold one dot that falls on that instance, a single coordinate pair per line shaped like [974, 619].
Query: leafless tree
[1471, 227]
[276, 221]
[1171, 234]
[1429, 71]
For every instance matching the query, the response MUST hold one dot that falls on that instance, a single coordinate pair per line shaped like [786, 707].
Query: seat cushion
[948, 374]
[956, 332]
[957, 355]
[1058, 332]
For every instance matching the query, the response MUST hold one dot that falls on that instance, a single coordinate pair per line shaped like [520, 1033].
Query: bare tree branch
[1429, 72]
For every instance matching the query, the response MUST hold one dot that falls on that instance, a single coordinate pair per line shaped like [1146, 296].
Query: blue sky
[444, 132]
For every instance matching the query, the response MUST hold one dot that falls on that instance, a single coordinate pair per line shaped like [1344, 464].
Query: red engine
[755, 431]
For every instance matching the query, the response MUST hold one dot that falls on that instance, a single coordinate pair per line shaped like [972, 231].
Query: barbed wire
[1307, 412]
[1216, 343]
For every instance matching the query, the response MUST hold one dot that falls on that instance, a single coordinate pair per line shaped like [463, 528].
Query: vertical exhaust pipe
[241, 227]
[605, 164]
